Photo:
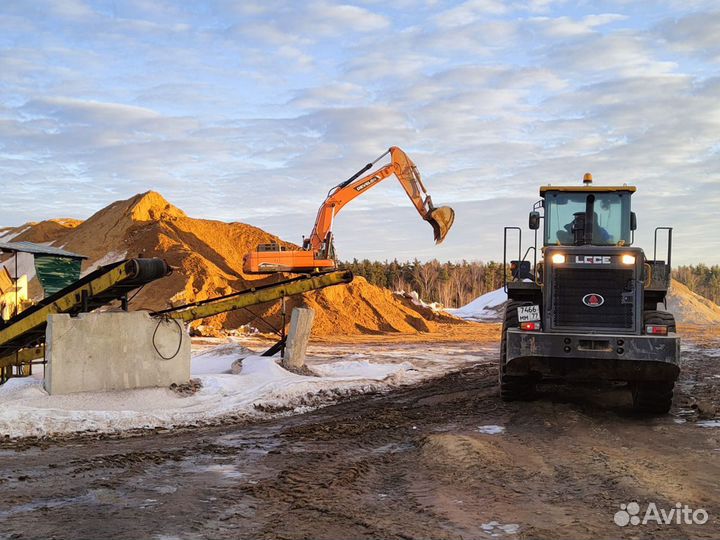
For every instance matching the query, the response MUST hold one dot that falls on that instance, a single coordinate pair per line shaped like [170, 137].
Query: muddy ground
[422, 462]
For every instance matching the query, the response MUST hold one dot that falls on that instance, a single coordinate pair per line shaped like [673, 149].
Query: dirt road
[443, 460]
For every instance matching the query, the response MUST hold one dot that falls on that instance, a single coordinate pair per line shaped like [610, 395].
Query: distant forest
[456, 284]
[451, 284]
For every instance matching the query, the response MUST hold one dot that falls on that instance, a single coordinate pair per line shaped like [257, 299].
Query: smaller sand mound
[354, 309]
[361, 308]
[49, 231]
[691, 308]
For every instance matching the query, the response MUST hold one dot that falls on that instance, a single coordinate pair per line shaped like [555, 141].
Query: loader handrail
[669, 244]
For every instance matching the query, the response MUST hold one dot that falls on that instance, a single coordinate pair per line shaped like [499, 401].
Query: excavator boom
[318, 254]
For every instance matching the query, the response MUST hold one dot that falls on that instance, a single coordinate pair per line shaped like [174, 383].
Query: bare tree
[425, 276]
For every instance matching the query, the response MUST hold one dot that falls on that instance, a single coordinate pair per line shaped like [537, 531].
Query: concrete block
[114, 351]
[301, 321]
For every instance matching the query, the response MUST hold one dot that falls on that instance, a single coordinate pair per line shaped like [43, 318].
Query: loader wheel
[660, 318]
[653, 397]
[513, 387]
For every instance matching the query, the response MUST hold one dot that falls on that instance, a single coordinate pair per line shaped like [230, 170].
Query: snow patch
[487, 307]
[218, 359]
[497, 528]
[360, 368]
[491, 430]
[261, 389]
[111, 257]
[7, 236]
[414, 297]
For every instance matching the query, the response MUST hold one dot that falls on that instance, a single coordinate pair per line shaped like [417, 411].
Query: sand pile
[50, 231]
[359, 308]
[691, 308]
[208, 257]
[366, 309]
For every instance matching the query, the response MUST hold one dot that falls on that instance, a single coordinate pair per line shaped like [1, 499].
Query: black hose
[182, 331]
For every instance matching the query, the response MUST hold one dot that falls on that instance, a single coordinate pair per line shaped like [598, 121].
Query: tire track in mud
[349, 472]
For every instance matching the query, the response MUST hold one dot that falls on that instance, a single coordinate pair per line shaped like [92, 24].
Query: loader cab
[583, 216]
[587, 215]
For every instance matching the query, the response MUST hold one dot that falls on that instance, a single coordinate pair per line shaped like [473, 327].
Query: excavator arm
[441, 219]
[317, 254]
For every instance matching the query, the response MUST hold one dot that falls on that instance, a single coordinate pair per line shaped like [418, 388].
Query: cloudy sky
[251, 110]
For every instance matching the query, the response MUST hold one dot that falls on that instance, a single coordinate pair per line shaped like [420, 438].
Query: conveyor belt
[21, 337]
[100, 287]
[254, 296]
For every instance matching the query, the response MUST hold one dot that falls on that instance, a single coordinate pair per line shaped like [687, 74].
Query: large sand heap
[208, 257]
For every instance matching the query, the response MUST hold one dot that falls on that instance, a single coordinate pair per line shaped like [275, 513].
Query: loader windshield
[565, 211]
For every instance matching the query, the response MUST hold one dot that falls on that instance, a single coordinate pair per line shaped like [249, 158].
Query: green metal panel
[56, 273]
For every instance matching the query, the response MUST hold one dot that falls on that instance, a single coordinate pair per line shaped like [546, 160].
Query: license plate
[528, 313]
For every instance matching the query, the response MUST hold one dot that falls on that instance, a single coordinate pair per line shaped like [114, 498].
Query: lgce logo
[593, 300]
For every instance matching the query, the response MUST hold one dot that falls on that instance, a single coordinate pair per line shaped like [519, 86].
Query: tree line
[451, 284]
[702, 279]
[456, 284]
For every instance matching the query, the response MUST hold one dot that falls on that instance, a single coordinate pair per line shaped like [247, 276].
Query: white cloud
[468, 12]
[563, 27]
[696, 33]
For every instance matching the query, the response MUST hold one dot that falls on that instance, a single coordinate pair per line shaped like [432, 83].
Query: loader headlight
[628, 259]
[558, 258]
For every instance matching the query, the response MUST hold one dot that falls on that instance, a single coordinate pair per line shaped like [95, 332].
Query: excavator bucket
[441, 219]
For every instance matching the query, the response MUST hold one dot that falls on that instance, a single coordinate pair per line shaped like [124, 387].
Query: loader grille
[570, 285]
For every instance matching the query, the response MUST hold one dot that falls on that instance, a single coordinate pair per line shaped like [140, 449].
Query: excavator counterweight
[318, 253]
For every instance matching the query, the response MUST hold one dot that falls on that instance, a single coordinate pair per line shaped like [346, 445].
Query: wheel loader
[589, 305]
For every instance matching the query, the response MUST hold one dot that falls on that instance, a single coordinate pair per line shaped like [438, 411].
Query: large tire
[664, 318]
[513, 387]
[653, 397]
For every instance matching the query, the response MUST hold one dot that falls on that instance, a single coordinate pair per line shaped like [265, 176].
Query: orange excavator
[318, 253]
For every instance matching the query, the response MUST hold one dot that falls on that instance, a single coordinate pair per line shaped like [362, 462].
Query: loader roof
[586, 189]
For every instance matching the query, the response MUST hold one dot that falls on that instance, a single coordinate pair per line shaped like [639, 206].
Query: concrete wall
[113, 351]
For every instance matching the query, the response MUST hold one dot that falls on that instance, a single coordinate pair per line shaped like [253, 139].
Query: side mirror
[633, 221]
[534, 222]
